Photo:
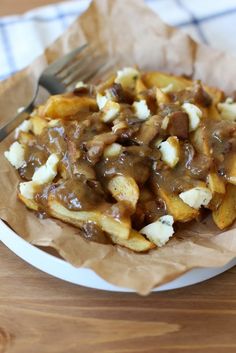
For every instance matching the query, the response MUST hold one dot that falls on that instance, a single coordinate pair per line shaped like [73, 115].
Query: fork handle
[16, 121]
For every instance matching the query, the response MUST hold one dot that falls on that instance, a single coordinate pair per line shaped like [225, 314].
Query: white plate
[86, 277]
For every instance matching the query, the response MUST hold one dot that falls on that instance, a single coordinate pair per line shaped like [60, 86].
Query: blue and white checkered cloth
[23, 38]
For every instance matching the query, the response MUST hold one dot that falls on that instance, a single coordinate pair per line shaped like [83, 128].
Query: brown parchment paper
[133, 34]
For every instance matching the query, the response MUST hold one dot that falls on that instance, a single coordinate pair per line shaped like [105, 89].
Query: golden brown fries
[118, 228]
[217, 187]
[225, 215]
[31, 204]
[128, 158]
[177, 208]
[124, 188]
[162, 80]
[59, 107]
[136, 242]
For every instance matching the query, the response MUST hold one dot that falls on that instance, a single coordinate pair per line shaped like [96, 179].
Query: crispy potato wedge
[59, 107]
[200, 141]
[161, 80]
[120, 229]
[32, 204]
[136, 242]
[161, 97]
[217, 187]
[124, 188]
[217, 96]
[225, 215]
[140, 88]
[215, 202]
[177, 208]
[216, 183]
[148, 130]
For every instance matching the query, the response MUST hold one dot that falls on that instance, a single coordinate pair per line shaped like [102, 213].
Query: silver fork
[82, 64]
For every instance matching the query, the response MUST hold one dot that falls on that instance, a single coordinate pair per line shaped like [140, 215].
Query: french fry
[59, 107]
[116, 227]
[124, 188]
[136, 242]
[38, 124]
[161, 97]
[200, 140]
[177, 208]
[120, 229]
[217, 187]
[140, 88]
[225, 215]
[217, 96]
[30, 203]
[161, 80]
[215, 183]
[148, 130]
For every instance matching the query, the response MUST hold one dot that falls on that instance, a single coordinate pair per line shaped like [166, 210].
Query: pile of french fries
[145, 98]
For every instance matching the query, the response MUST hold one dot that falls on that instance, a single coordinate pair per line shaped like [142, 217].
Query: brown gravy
[80, 141]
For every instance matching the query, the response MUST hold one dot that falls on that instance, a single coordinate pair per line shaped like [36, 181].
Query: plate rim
[86, 277]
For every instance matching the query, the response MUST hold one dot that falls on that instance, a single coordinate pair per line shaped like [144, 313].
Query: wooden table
[41, 314]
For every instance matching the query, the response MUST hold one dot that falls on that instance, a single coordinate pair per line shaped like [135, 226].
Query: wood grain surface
[41, 314]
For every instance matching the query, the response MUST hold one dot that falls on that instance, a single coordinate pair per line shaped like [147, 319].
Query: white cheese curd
[170, 151]
[101, 101]
[127, 77]
[194, 115]
[196, 197]
[47, 172]
[160, 231]
[26, 126]
[16, 155]
[227, 109]
[141, 110]
[110, 111]
[28, 189]
[112, 150]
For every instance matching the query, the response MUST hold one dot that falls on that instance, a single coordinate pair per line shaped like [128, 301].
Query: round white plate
[86, 277]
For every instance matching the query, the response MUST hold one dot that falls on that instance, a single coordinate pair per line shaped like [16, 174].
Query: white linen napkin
[23, 38]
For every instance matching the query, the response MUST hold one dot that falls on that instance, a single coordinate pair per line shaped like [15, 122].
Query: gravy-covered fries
[127, 159]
